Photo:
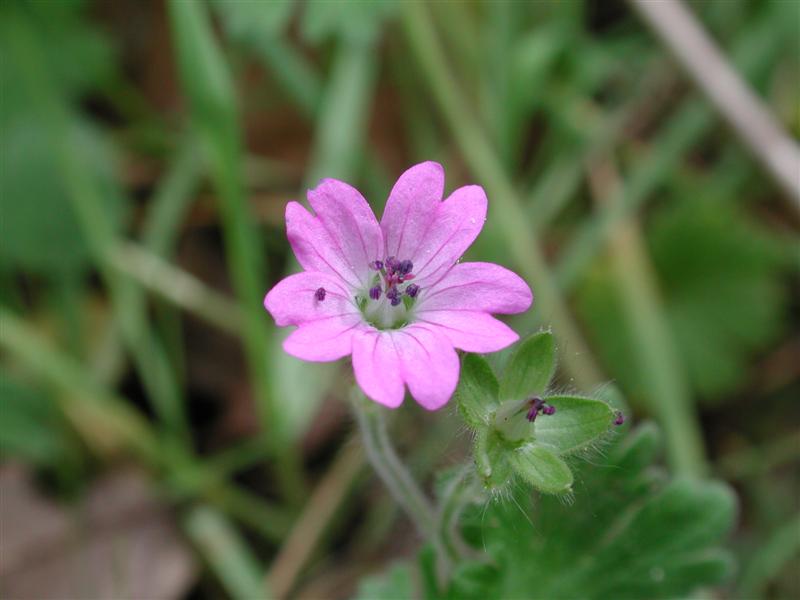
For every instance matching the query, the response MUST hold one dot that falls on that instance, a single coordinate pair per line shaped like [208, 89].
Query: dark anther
[404, 268]
[392, 264]
[619, 418]
[375, 292]
[376, 265]
[537, 405]
[412, 290]
[320, 294]
[393, 295]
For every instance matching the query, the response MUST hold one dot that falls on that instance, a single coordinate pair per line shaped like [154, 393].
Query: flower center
[391, 298]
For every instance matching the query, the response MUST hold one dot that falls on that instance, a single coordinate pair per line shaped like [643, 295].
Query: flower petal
[351, 224]
[376, 368]
[412, 204]
[469, 330]
[429, 364]
[323, 340]
[450, 231]
[314, 247]
[478, 286]
[293, 302]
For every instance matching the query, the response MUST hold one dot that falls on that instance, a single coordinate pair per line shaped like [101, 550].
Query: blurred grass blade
[172, 198]
[656, 352]
[177, 286]
[508, 213]
[76, 391]
[780, 548]
[210, 93]
[89, 206]
[755, 50]
[226, 552]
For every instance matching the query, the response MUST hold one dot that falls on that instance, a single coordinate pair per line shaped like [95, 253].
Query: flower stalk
[396, 477]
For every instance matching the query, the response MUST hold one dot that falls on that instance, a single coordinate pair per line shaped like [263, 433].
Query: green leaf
[477, 390]
[530, 369]
[629, 532]
[491, 459]
[542, 468]
[576, 423]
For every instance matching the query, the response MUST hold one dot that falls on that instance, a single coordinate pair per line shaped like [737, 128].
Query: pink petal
[412, 204]
[469, 330]
[477, 286]
[292, 301]
[323, 340]
[429, 364]
[448, 234]
[351, 224]
[376, 367]
[315, 248]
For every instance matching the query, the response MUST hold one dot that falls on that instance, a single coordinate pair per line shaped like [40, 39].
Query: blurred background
[156, 441]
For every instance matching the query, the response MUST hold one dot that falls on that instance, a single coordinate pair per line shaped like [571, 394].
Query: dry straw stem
[308, 530]
[727, 92]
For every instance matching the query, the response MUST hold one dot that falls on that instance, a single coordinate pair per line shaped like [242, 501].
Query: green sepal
[491, 460]
[477, 391]
[541, 468]
[530, 368]
[576, 423]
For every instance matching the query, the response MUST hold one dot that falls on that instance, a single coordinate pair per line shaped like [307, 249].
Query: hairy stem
[396, 477]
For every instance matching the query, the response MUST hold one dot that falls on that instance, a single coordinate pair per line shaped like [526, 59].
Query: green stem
[459, 492]
[395, 476]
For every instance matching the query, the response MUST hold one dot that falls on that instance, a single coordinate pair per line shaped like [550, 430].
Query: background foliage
[148, 149]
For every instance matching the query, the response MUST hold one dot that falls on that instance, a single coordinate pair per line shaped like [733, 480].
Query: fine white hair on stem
[697, 53]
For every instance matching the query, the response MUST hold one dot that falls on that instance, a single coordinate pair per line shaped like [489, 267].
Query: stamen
[539, 406]
[393, 295]
[405, 267]
[412, 290]
[375, 292]
[619, 418]
[320, 293]
[391, 265]
[377, 265]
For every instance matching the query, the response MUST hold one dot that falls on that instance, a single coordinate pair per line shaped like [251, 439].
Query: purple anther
[619, 418]
[377, 265]
[412, 290]
[375, 292]
[405, 266]
[548, 409]
[391, 264]
[320, 294]
[532, 414]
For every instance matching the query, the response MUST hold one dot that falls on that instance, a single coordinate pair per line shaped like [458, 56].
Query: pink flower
[394, 294]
